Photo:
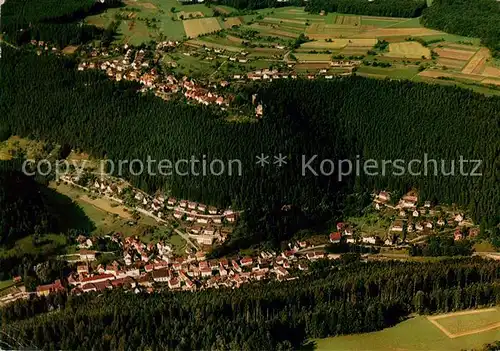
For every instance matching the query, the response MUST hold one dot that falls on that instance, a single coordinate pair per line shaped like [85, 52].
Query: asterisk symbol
[262, 160]
[280, 160]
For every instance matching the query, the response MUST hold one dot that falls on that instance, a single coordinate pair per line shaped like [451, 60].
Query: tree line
[390, 8]
[347, 119]
[52, 20]
[472, 18]
[343, 298]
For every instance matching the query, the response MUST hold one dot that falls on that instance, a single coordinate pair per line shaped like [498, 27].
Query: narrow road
[187, 238]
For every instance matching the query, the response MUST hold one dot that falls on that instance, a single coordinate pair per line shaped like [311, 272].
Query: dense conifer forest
[474, 18]
[343, 299]
[23, 209]
[54, 21]
[46, 98]
[391, 8]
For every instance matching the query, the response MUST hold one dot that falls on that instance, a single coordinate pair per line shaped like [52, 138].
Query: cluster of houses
[152, 267]
[205, 224]
[413, 218]
[135, 67]
[270, 75]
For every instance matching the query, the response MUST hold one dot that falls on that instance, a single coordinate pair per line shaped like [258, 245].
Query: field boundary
[434, 320]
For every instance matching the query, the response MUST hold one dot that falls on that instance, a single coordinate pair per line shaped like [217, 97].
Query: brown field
[315, 58]
[222, 10]
[232, 21]
[311, 65]
[409, 49]
[478, 62]
[348, 20]
[492, 72]
[284, 20]
[403, 32]
[491, 81]
[146, 5]
[187, 15]
[234, 39]
[454, 54]
[340, 43]
[68, 50]
[450, 63]
[438, 74]
[200, 26]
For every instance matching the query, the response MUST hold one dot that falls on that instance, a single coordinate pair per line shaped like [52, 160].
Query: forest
[345, 298]
[258, 4]
[51, 21]
[390, 8]
[46, 98]
[474, 18]
[24, 210]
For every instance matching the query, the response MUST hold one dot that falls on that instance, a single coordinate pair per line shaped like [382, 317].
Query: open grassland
[105, 216]
[200, 26]
[409, 49]
[233, 47]
[302, 57]
[6, 284]
[49, 244]
[15, 146]
[414, 334]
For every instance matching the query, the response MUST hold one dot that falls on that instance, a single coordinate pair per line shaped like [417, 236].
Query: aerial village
[128, 63]
[155, 267]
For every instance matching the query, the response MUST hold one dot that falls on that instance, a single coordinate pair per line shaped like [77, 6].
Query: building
[86, 255]
[161, 275]
[246, 261]
[44, 290]
[335, 237]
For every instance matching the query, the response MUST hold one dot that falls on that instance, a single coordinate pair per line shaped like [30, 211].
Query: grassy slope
[414, 334]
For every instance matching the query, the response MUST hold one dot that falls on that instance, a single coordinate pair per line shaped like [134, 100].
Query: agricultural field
[201, 26]
[145, 20]
[232, 21]
[459, 324]
[409, 49]
[417, 333]
[443, 58]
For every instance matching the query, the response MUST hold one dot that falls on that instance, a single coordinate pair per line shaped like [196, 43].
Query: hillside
[333, 300]
[23, 210]
[474, 18]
